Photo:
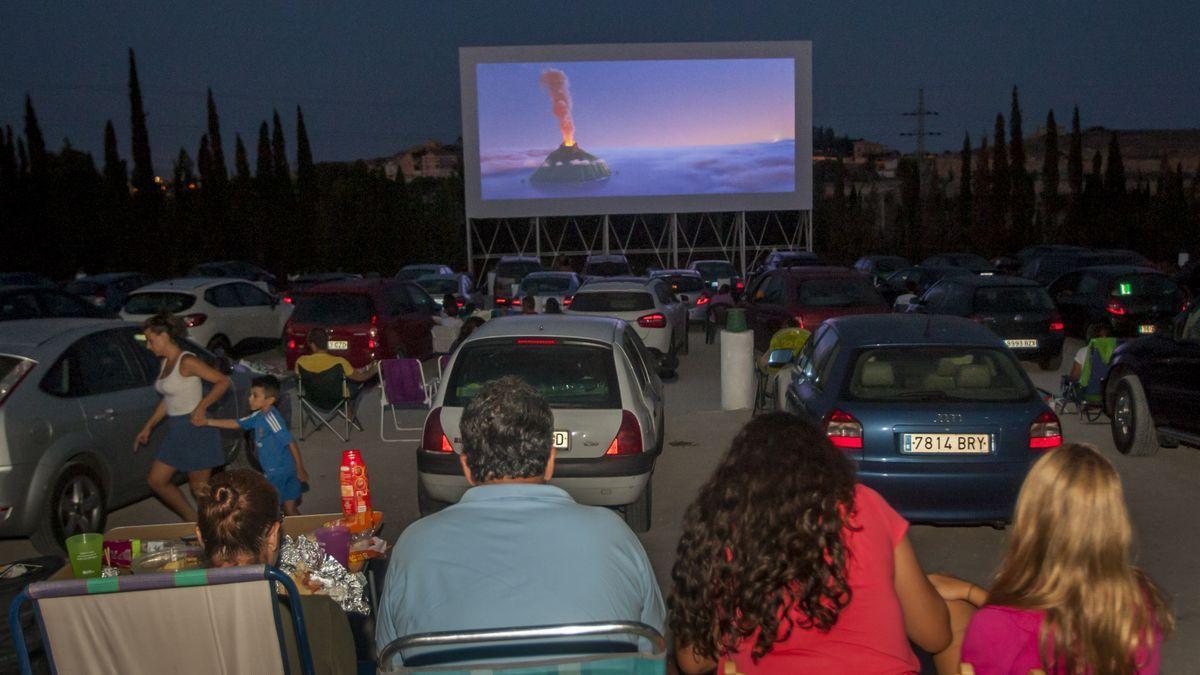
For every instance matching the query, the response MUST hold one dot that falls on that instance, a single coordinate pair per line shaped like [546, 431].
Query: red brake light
[1115, 308]
[434, 439]
[628, 440]
[567, 300]
[14, 377]
[537, 341]
[1045, 433]
[843, 430]
[501, 301]
[372, 343]
[704, 300]
[292, 343]
[374, 319]
[654, 320]
[739, 285]
[288, 299]
[1057, 325]
[193, 320]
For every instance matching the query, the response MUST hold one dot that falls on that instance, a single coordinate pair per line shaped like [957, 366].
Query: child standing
[277, 452]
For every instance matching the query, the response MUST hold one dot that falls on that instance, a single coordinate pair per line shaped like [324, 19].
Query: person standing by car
[193, 450]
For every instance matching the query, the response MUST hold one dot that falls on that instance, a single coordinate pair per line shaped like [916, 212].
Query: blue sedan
[937, 414]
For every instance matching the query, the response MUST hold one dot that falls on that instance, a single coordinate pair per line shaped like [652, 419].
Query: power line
[921, 113]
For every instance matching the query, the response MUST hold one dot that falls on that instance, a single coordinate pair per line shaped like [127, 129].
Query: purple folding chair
[402, 385]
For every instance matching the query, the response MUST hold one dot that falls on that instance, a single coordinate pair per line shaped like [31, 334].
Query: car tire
[79, 492]
[1132, 426]
[1051, 362]
[220, 346]
[426, 504]
[637, 514]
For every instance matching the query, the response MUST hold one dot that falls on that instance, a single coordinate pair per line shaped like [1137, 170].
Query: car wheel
[1133, 429]
[220, 346]
[637, 514]
[426, 504]
[1051, 362]
[75, 504]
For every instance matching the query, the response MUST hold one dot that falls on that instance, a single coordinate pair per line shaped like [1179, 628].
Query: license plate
[339, 344]
[1146, 329]
[1021, 344]
[562, 440]
[971, 444]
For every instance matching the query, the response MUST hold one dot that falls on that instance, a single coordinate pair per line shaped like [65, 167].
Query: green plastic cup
[84, 551]
[735, 320]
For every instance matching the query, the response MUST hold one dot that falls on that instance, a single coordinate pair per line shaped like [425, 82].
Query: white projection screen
[639, 128]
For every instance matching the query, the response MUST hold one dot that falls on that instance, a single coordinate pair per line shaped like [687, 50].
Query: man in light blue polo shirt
[514, 551]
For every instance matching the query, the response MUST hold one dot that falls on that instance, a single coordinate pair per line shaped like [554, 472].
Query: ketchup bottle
[356, 492]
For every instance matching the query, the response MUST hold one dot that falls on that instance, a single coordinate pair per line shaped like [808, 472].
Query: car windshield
[153, 303]
[837, 293]
[921, 373]
[684, 283]
[607, 269]
[545, 285]
[439, 286]
[1012, 299]
[334, 309]
[517, 269]
[569, 374]
[1149, 286]
[714, 270]
[612, 301]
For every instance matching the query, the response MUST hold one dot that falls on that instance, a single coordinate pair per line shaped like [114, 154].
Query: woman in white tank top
[194, 450]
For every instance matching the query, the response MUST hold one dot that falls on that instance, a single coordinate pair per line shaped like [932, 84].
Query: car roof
[675, 273]
[107, 276]
[618, 284]
[614, 257]
[437, 277]
[978, 280]
[417, 266]
[353, 285]
[598, 328]
[548, 274]
[25, 287]
[26, 336]
[711, 260]
[820, 272]
[520, 258]
[1117, 270]
[866, 330]
[188, 284]
[794, 254]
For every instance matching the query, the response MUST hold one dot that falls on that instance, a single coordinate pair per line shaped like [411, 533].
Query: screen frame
[800, 199]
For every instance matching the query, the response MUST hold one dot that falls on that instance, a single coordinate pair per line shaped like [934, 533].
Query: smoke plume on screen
[559, 88]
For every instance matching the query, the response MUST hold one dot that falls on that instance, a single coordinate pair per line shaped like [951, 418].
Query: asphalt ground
[1163, 492]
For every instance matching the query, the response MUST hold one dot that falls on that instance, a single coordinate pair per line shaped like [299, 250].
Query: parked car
[896, 284]
[74, 393]
[717, 273]
[545, 285]
[510, 272]
[107, 291]
[602, 387]
[1018, 310]
[1131, 300]
[1152, 390]
[1030, 252]
[365, 319]
[806, 297]
[647, 305]
[32, 302]
[1188, 277]
[935, 411]
[303, 281]
[880, 267]
[414, 272]
[597, 266]
[969, 261]
[457, 284]
[689, 287]
[224, 315]
[236, 269]
[25, 279]
[1045, 268]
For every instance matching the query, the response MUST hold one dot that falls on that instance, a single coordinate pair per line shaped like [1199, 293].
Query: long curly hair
[763, 549]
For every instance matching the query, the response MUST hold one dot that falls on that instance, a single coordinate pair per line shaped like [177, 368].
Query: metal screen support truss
[661, 240]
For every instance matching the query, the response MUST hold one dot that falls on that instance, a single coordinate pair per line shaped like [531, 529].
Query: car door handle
[108, 414]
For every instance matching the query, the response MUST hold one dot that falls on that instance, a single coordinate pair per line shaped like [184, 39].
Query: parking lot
[1161, 491]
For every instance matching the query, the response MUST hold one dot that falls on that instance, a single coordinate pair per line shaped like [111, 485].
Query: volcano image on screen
[636, 128]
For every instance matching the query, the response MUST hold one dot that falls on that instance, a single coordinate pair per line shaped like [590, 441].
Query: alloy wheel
[80, 506]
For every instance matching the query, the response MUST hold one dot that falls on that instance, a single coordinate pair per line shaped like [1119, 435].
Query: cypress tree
[218, 175]
[1016, 138]
[22, 158]
[1001, 186]
[264, 167]
[1050, 200]
[982, 188]
[116, 174]
[204, 164]
[1075, 171]
[1021, 183]
[1114, 174]
[306, 174]
[184, 179]
[143, 167]
[964, 186]
[36, 143]
[240, 163]
[8, 162]
[283, 175]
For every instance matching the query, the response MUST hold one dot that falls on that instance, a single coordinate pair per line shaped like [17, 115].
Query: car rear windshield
[334, 309]
[83, 287]
[612, 301]
[569, 374]
[546, 285]
[607, 269]
[7, 364]
[937, 374]
[685, 284]
[153, 303]
[1147, 286]
[517, 270]
[837, 293]
[714, 270]
[1012, 299]
[439, 286]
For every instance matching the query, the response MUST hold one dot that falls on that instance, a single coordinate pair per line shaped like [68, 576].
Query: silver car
[546, 285]
[602, 387]
[73, 395]
[690, 288]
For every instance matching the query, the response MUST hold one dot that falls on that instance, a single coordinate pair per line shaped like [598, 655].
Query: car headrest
[948, 366]
[974, 376]
[878, 374]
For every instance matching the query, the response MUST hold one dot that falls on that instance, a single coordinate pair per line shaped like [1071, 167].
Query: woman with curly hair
[788, 565]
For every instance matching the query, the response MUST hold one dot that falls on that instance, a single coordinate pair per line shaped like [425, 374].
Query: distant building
[430, 159]
[865, 151]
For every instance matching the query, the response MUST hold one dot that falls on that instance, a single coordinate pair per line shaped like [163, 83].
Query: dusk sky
[639, 103]
[374, 78]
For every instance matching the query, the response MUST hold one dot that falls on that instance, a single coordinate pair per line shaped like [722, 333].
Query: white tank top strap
[180, 393]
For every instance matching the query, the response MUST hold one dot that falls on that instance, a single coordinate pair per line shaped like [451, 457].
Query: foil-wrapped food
[316, 572]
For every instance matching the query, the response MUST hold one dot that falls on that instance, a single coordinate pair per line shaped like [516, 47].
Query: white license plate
[339, 344]
[971, 444]
[562, 440]
[1021, 344]
[1146, 329]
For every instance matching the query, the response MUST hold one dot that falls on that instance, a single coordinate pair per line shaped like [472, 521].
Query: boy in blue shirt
[277, 452]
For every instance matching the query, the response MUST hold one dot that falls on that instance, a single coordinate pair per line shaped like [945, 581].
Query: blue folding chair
[206, 620]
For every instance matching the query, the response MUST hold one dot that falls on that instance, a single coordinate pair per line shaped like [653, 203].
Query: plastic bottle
[356, 491]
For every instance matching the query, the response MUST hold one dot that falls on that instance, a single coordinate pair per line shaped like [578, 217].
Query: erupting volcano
[568, 163]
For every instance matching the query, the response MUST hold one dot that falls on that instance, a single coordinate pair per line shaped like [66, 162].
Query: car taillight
[1115, 308]
[628, 440]
[567, 300]
[1057, 325]
[800, 321]
[537, 341]
[654, 320]
[1045, 433]
[434, 439]
[739, 285]
[14, 377]
[703, 300]
[516, 302]
[374, 319]
[288, 299]
[372, 343]
[292, 343]
[843, 430]
[501, 301]
[193, 320]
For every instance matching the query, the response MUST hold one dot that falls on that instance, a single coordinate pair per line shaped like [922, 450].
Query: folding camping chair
[586, 648]
[1086, 395]
[205, 620]
[402, 386]
[791, 338]
[324, 397]
[443, 337]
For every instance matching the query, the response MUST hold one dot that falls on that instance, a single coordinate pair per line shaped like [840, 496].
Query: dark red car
[367, 319]
[806, 296]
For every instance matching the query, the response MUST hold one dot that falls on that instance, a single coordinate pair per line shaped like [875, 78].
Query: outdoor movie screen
[653, 128]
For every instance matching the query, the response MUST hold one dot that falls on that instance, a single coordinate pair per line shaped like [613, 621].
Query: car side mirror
[779, 358]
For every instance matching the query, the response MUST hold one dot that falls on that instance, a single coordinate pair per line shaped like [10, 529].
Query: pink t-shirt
[1004, 641]
[869, 634]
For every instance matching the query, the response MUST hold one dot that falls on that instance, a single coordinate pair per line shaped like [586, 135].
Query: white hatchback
[220, 314]
[657, 315]
[606, 398]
